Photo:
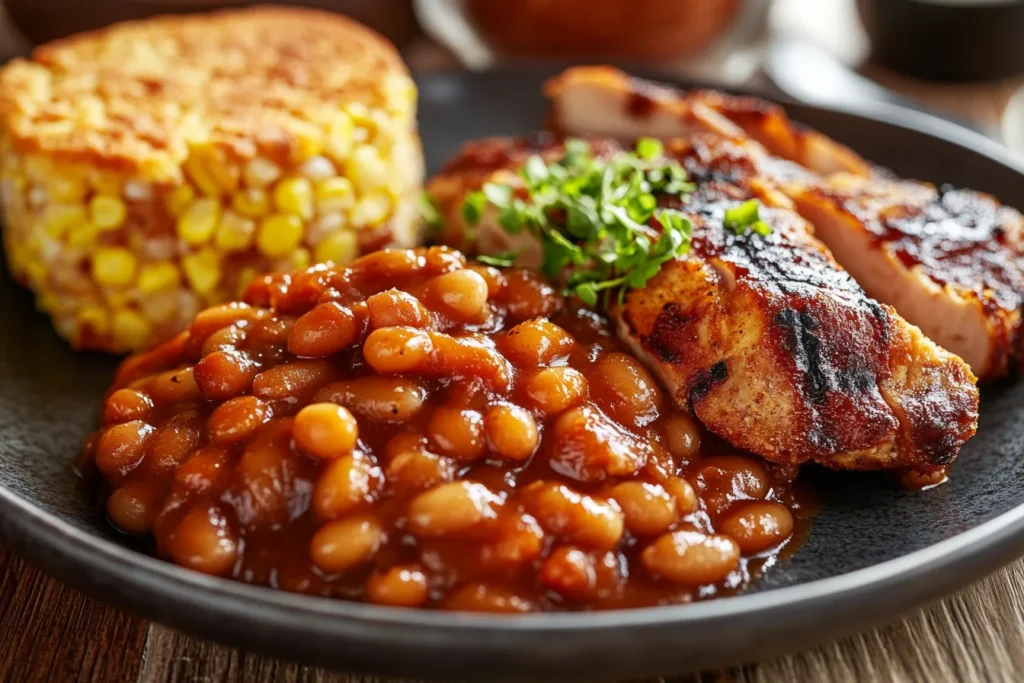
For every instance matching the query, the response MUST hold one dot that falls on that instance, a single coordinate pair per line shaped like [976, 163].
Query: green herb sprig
[598, 220]
[746, 217]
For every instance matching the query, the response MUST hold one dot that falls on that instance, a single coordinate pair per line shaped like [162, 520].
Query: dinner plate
[873, 550]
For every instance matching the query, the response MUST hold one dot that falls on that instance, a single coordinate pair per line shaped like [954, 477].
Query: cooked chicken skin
[766, 340]
[950, 261]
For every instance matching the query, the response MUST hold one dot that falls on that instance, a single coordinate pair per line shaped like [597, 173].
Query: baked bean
[173, 386]
[134, 506]
[515, 540]
[511, 432]
[590, 447]
[400, 586]
[460, 295]
[225, 339]
[494, 278]
[526, 297]
[394, 308]
[121, 448]
[348, 483]
[758, 526]
[325, 430]
[482, 597]
[323, 331]
[216, 318]
[142, 365]
[580, 575]
[387, 264]
[403, 443]
[237, 419]
[272, 332]
[205, 541]
[442, 259]
[681, 436]
[691, 557]
[457, 433]
[684, 495]
[347, 543]
[537, 342]
[298, 380]
[126, 404]
[170, 445]
[225, 374]
[415, 470]
[574, 516]
[266, 475]
[392, 350]
[724, 479]
[205, 472]
[387, 399]
[452, 508]
[622, 386]
[921, 481]
[467, 357]
[648, 508]
[552, 390]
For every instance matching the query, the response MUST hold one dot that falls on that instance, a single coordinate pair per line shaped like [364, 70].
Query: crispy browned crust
[133, 96]
[767, 340]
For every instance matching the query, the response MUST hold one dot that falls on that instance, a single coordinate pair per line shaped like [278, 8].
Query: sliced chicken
[948, 260]
[771, 344]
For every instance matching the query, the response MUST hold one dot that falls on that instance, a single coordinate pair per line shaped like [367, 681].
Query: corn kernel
[294, 195]
[38, 168]
[318, 168]
[94, 318]
[279, 234]
[334, 194]
[372, 210]
[324, 226]
[202, 269]
[58, 219]
[234, 233]
[308, 143]
[154, 277]
[107, 213]
[67, 188]
[339, 138]
[260, 172]
[35, 270]
[180, 199]
[341, 247]
[253, 203]
[105, 182]
[160, 306]
[129, 328]
[83, 235]
[211, 172]
[137, 191]
[197, 224]
[297, 260]
[113, 266]
[366, 169]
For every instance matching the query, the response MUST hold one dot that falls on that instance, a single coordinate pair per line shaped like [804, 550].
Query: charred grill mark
[806, 348]
[703, 380]
[666, 336]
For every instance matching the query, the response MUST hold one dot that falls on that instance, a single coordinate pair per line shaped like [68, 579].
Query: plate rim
[863, 597]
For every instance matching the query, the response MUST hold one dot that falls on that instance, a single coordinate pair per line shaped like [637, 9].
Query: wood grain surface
[49, 632]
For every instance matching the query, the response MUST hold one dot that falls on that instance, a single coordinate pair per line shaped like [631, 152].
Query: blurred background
[961, 59]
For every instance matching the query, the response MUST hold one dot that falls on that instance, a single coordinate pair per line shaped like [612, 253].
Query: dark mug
[948, 40]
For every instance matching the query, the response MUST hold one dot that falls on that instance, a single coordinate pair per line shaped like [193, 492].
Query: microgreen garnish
[597, 219]
[503, 260]
[746, 217]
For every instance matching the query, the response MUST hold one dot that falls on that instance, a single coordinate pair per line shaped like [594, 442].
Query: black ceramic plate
[873, 552]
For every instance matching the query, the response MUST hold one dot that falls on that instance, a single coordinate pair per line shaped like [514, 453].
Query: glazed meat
[771, 344]
[948, 260]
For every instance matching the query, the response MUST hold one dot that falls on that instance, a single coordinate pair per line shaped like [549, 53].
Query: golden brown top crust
[133, 97]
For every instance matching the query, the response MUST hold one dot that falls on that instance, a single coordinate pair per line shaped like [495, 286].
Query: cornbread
[154, 168]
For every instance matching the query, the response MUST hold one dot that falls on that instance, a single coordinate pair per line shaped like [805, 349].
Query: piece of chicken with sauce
[771, 344]
[950, 261]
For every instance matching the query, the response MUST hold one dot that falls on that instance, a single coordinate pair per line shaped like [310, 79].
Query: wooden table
[49, 632]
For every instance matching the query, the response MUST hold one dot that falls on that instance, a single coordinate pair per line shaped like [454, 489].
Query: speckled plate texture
[873, 552]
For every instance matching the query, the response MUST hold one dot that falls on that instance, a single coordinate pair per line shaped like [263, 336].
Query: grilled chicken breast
[950, 261]
[771, 344]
